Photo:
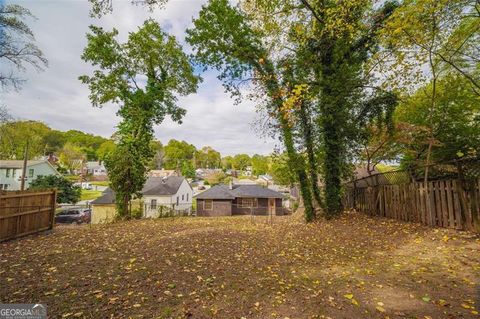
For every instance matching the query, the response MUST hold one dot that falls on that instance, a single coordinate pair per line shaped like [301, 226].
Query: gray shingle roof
[18, 163]
[255, 191]
[223, 192]
[216, 192]
[162, 186]
[108, 197]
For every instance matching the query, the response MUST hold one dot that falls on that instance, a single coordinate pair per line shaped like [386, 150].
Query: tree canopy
[151, 54]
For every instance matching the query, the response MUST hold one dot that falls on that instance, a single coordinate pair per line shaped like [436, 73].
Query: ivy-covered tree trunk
[307, 135]
[297, 165]
[331, 104]
[332, 165]
[295, 161]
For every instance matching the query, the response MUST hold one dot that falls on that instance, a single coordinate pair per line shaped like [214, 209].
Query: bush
[164, 211]
[67, 192]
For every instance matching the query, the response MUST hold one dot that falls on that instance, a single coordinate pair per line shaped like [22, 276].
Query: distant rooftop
[18, 163]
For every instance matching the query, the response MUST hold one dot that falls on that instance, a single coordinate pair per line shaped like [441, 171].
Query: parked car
[74, 215]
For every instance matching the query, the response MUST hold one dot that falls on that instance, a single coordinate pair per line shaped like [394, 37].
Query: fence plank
[443, 203]
[26, 212]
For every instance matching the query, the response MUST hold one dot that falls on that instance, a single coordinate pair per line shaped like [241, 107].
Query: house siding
[103, 213]
[262, 208]
[229, 208]
[220, 208]
[14, 183]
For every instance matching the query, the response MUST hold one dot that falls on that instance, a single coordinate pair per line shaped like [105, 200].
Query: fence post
[54, 206]
[354, 195]
[474, 206]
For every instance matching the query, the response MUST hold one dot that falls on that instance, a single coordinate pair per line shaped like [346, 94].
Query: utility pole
[24, 168]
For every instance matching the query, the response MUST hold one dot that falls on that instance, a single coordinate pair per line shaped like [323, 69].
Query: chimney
[230, 185]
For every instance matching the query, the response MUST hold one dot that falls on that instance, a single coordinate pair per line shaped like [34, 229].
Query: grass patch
[100, 183]
[90, 194]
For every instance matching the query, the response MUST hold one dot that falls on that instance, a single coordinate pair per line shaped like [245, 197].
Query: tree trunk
[297, 165]
[312, 162]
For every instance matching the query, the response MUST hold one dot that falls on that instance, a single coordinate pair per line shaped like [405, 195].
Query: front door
[271, 206]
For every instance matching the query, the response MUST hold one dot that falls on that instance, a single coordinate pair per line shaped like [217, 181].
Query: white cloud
[57, 98]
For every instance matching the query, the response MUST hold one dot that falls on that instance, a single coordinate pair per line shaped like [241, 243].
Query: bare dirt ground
[352, 267]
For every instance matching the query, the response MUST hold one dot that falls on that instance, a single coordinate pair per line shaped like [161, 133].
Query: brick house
[223, 200]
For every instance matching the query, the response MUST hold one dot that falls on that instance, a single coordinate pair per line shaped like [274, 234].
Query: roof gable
[162, 186]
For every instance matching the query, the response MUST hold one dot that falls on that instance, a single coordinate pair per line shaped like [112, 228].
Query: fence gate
[26, 212]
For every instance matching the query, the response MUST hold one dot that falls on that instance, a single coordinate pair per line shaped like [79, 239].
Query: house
[96, 168]
[103, 208]
[248, 171]
[265, 179]
[173, 192]
[160, 194]
[201, 173]
[223, 200]
[11, 173]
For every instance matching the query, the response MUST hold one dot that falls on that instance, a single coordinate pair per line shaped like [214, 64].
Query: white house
[172, 192]
[11, 173]
[159, 194]
[96, 168]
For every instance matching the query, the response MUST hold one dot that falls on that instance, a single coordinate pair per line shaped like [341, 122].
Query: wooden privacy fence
[26, 212]
[444, 203]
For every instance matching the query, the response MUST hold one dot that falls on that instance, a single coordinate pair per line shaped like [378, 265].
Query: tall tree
[327, 44]
[121, 67]
[241, 161]
[224, 38]
[17, 46]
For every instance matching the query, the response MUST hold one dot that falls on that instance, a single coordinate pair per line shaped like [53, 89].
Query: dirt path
[353, 267]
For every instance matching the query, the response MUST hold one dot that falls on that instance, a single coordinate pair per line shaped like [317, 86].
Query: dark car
[74, 215]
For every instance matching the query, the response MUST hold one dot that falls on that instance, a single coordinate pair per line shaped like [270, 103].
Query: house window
[30, 173]
[14, 172]
[183, 198]
[7, 174]
[153, 204]
[208, 204]
[247, 202]
[187, 197]
[178, 199]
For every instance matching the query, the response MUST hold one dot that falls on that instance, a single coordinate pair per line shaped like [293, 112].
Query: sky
[57, 98]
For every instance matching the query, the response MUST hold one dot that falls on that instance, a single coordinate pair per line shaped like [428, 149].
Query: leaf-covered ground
[353, 267]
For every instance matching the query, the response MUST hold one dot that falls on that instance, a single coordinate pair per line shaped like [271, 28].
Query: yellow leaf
[137, 305]
[355, 302]
[381, 309]
[348, 296]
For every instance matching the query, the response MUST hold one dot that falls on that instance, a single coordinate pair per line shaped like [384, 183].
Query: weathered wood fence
[444, 203]
[26, 212]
